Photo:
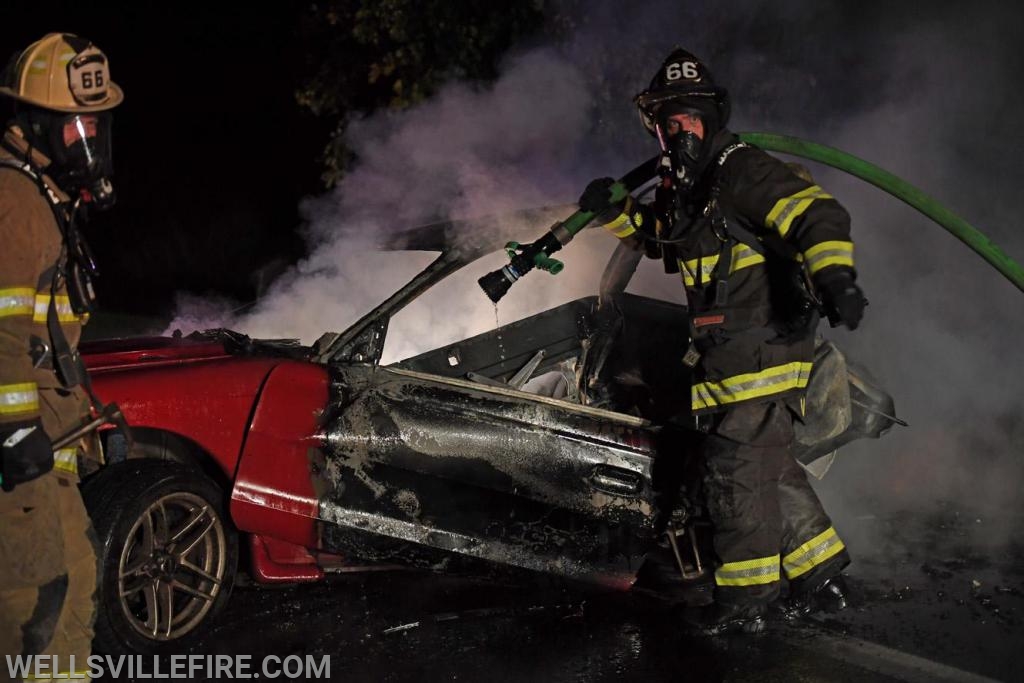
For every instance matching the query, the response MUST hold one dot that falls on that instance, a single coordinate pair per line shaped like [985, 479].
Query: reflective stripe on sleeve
[824, 254]
[787, 209]
[66, 460]
[64, 312]
[748, 572]
[767, 382]
[79, 676]
[17, 301]
[742, 257]
[621, 226]
[812, 553]
[19, 398]
[627, 222]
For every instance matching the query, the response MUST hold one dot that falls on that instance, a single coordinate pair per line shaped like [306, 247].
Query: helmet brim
[114, 97]
[651, 99]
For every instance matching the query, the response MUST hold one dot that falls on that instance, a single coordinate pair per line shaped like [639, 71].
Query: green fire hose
[898, 188]
[524, 258]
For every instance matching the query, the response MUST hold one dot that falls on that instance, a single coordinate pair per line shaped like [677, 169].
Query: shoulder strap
[27, 169]
[762, 242]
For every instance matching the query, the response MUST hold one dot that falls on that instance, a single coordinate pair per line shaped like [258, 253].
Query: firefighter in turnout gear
[744, 232]
[54, 158]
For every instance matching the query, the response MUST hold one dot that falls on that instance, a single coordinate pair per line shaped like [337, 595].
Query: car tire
[167, 555]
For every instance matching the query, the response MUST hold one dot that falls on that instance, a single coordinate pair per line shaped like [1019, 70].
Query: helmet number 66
[677, 70]
[92, 80]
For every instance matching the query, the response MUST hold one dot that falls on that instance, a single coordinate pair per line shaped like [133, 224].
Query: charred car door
[419, 466]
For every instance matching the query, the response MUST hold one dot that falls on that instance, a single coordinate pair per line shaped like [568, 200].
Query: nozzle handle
[524, 258]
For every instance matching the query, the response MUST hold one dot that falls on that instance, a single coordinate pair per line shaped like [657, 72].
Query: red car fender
[207, 401]
[273, 493]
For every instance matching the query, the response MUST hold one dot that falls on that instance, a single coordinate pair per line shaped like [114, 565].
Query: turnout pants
[768, 522]
[47, 573]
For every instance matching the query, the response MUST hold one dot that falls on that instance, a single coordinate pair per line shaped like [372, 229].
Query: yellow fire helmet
[62, 72]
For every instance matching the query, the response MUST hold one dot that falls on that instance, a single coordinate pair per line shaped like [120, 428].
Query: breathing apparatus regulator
[63, 96]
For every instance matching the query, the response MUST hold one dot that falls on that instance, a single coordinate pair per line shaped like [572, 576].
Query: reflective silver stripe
[787, 209]
[832, 253]
[689, 269]
[64, 312]
[742, 257]
[17, 301]
[748, 572]
[79, 676]
[627, 222]
[621, 226]
[66, 460]
[812, 553]
[19, 398]
[774, 380]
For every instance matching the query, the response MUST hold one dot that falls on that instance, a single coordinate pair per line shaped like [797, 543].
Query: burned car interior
[606, 354]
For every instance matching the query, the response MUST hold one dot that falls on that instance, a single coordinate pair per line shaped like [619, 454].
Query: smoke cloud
[931, 97]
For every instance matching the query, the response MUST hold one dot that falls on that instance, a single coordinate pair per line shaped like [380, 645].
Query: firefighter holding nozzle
[746, 232]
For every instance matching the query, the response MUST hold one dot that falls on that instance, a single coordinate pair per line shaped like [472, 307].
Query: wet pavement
[942, 605]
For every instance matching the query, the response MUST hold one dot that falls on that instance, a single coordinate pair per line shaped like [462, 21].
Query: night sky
[208, 135]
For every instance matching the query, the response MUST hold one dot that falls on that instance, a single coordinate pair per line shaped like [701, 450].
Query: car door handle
[615, 480]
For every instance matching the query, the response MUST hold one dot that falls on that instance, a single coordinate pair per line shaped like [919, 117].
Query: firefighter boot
[830, 596]
[660, 577]
[722, 619]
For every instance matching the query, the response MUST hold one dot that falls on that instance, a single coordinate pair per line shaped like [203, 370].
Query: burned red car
[530, 446]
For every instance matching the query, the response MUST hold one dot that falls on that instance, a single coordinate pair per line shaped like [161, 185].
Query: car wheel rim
[172, 566]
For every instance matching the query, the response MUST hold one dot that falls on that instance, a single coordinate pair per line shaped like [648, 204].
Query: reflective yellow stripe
[624, 231]
[62, 676]
[66, 460]
[19, 398]
[832, 253]
[64, 312]
[742, 257]
[774, 380]
[812, 553]
[787, 209]
[17, 301]
[748, 572]
[625, 224]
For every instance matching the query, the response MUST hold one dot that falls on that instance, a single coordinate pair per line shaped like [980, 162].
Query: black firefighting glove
[25, 453]
[844, 300]
[596, 199]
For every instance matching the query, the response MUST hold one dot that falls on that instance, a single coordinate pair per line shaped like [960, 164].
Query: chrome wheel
[172, 566]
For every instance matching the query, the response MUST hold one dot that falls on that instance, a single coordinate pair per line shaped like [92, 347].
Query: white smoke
[932, 99]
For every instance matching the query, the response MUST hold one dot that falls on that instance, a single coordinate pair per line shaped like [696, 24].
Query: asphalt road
[955, 616]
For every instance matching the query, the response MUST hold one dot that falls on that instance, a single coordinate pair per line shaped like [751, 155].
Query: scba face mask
[80, 148]
[684, 152]
[682, 132]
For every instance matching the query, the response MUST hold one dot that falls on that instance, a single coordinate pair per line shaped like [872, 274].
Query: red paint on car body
[273, 491]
